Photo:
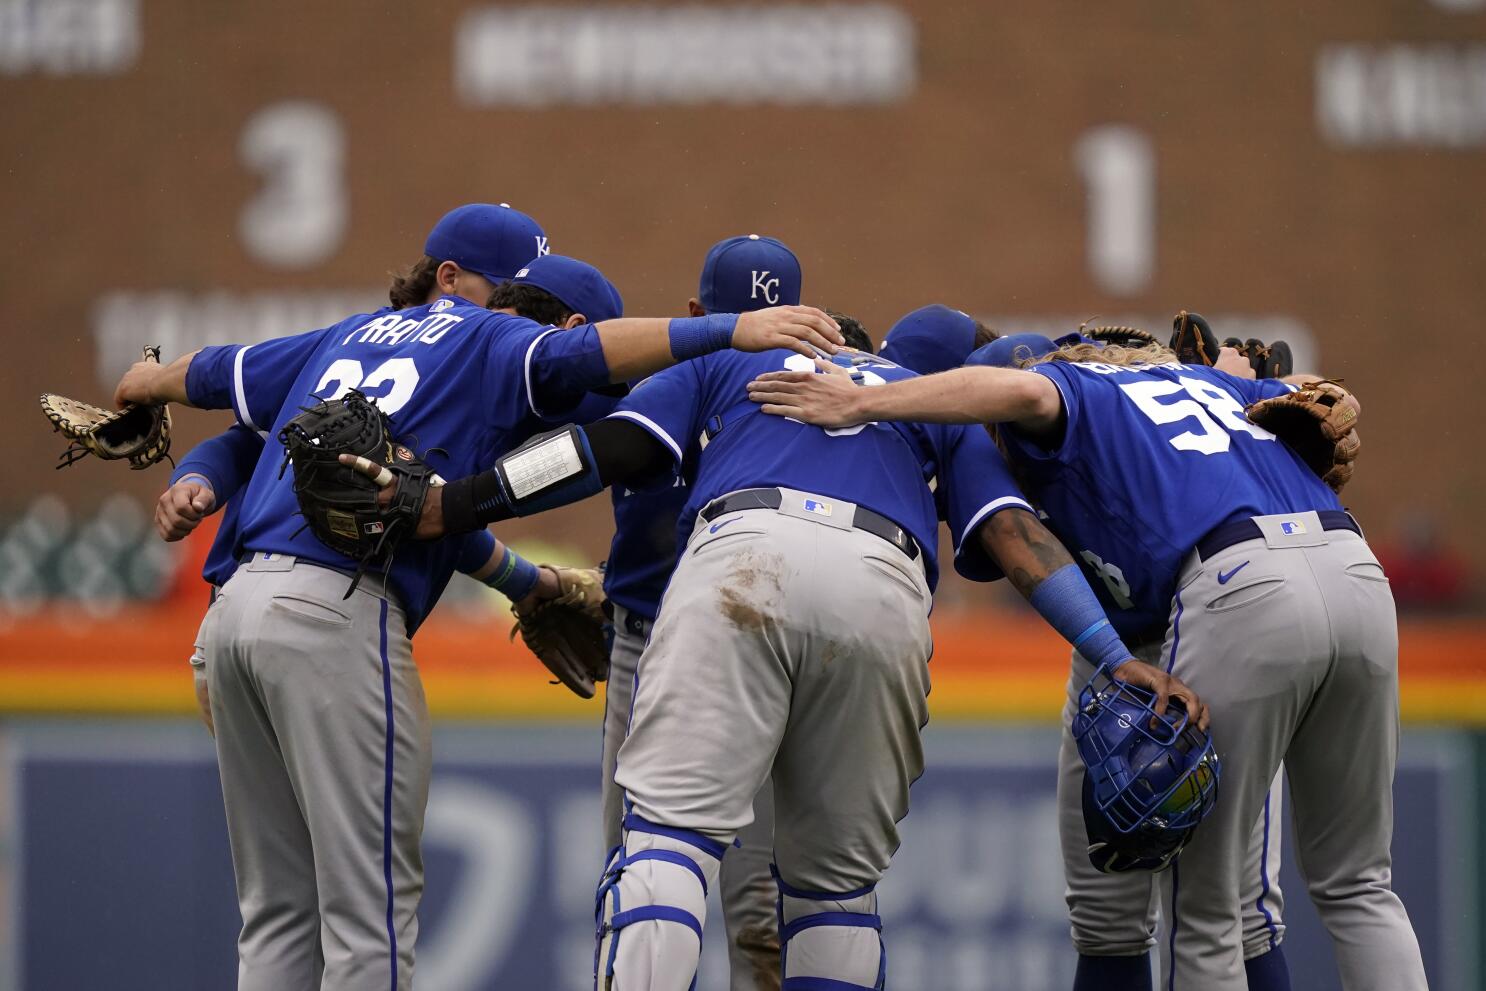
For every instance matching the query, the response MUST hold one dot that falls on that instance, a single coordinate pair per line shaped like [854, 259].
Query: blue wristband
[692, 337]
[514, 577]
[1068, 604]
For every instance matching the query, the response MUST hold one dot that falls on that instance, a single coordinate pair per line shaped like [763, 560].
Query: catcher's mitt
[140, 434]
[1319, 422]
[567, 633]
[1193, 340]
[339, 504]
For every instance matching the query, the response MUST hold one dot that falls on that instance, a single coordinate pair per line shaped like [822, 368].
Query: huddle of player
[770, 581]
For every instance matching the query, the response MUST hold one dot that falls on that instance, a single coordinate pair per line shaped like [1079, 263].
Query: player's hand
[1235, 364]
[137, 384]
[1166, 687]
[826, 397]
[430, 520]
[181, 508]
[799, 328]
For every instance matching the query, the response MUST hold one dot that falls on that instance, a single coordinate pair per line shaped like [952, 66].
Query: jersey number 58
[1217, 413]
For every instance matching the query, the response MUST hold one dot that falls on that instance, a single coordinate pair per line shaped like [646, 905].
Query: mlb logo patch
[442, 305]
[373, 527]
[1291, 527]
[817, 507]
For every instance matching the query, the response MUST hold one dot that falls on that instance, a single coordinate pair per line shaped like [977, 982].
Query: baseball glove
[1193, 340]
[140, 434]
[1319, 422]
[1125, 337]
[1269, 361]
[567, 633]
[339, 504]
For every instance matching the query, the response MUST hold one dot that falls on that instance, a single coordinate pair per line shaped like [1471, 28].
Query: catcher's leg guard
[650, 906]
[830, 942]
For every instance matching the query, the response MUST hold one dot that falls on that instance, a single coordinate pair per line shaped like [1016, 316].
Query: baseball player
[551, 289]
[759, 664]
[1281, 615]
[322, 729]
[1114, 916]
[739, 274]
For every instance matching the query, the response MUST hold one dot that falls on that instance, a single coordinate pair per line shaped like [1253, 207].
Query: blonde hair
[1109, 354]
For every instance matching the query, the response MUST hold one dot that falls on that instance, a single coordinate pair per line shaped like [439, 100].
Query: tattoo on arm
[1024, 548]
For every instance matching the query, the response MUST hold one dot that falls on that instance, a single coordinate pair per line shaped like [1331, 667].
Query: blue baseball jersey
[1153, 458]
[701, 412]
[450, 374]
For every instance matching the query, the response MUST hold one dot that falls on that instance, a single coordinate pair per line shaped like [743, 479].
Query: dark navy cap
[1005, 352]
[489, 240]
[581, 287]
[931, 339]
[749, 273]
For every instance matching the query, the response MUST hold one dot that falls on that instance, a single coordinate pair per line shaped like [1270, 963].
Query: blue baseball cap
[1005, 352]
[931, 339]
[749, 273]
[581, 287]
[487, 239]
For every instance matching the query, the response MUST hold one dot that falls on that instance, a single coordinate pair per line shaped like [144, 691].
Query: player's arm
[251, 380]
[561, 366]
[1043, 571]
[829, 398]
[208, 476]
[149, 382]
[636, 347]
[491, 562]
[553, 469]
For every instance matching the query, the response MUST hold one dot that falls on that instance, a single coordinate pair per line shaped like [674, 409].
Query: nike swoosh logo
[1223, 578]
[718, 526]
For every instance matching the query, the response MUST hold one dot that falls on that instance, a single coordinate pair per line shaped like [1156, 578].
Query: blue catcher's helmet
[1148, 780]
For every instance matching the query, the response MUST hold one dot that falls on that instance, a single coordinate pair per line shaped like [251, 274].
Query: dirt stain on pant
[754, 584]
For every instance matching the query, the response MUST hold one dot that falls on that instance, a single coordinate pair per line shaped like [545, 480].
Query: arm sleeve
[552, 369]
[976, 485]
[667, 405]
[475, 549]
[226, 461]
[253, 380]
[1066, 449]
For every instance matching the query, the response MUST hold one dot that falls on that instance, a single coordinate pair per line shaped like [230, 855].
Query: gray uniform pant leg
[790, 644]
[746, 887]
[1297, 656]
[1112, 915]
[324, 749]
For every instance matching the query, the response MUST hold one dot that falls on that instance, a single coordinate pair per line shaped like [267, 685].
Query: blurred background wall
[186, 173]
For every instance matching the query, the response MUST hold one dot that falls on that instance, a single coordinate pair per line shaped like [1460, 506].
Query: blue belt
[865, 519]
[1225, 536]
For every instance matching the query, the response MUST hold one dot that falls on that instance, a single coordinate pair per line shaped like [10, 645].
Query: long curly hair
[1109, 354]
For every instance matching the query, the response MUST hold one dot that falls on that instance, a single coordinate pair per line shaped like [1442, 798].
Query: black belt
[1228, 534]
[865, 519]
[634, 623]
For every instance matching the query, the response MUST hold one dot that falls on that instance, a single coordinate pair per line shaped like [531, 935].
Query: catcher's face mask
[1150, 779]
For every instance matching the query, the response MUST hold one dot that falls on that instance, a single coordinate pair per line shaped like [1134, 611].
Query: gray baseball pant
[324, 752]
[746, 888]
[1296, 652]
[1119, 914]
[789, 642]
